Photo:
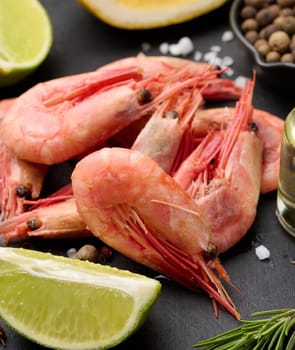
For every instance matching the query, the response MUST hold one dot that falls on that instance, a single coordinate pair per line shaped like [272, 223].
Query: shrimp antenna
[193, 212]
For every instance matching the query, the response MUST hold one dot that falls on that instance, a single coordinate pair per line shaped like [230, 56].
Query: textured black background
[179, 318]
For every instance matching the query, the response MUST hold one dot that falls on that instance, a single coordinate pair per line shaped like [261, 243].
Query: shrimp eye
[24, 192]
[211, 252]
[143, 96]
[34, 223]
[253, 127]
[171, 115]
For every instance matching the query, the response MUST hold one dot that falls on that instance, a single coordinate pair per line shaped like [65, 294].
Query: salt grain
[240, 81]
[262, 252]
[71, 253]
[227, 36]
[198, 55]
[164, 48]
[215, 48]
[209, 56]
[229, 72]
[175, 50]
[186, 45]
[227, 61]
[183, 48]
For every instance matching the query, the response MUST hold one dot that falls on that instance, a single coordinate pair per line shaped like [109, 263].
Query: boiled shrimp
[128, 201]
[223, 175]
[177, 92]
[58, 119]
[270, 129]
[53, 217]
[65, 117]
[19, 180]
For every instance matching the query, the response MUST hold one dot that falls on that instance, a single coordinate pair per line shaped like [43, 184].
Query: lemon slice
[70, 304]
[138, 14]
[25, 39]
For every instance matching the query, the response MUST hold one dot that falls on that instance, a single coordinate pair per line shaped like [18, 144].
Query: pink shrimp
[65, 117]
[128, 201]
[19, 179]
[53, 217]
[223, 174]
[181, 95]
[56, 120]
[269, 130]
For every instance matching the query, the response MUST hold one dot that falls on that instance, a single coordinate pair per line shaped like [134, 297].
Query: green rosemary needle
[276, 331]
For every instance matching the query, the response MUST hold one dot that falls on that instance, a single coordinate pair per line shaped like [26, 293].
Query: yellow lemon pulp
[135, 14]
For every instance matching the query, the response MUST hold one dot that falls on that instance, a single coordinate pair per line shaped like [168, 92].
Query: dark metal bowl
[279, 75]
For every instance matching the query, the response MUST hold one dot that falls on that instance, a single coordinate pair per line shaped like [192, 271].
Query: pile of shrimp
[158, 176]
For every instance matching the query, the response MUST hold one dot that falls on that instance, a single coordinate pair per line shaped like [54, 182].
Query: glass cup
[286, 189]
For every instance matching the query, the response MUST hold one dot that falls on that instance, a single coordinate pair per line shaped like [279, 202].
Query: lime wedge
[71, 304]
[137, 14]
[25, 39]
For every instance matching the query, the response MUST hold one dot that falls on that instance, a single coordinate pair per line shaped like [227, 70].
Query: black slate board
[180, 318]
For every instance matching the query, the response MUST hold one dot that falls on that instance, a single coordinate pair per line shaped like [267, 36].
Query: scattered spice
[91, 253]
[270, 27]
[88, 252]
[105, 255]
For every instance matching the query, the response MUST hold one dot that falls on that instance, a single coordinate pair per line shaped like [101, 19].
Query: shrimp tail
[194, 275]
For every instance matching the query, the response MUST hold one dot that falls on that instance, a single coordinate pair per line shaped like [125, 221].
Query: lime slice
[25, 39]
[138, 14]
[71, 304]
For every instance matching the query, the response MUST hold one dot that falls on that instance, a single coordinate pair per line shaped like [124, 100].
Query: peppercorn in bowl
[267, 30]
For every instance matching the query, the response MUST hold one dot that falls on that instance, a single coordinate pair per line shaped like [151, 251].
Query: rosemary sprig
[274, 332]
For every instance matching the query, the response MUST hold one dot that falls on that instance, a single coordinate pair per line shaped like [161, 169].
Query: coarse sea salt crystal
[262, 252]
[229, 72]
[215, 48]
[164, 48]
[183, 48]
[175, 50]
[198, 55]
[209, 56]
[71, 253]
[227, 61]
[228, 35]
[186, 45]
[240, 81]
